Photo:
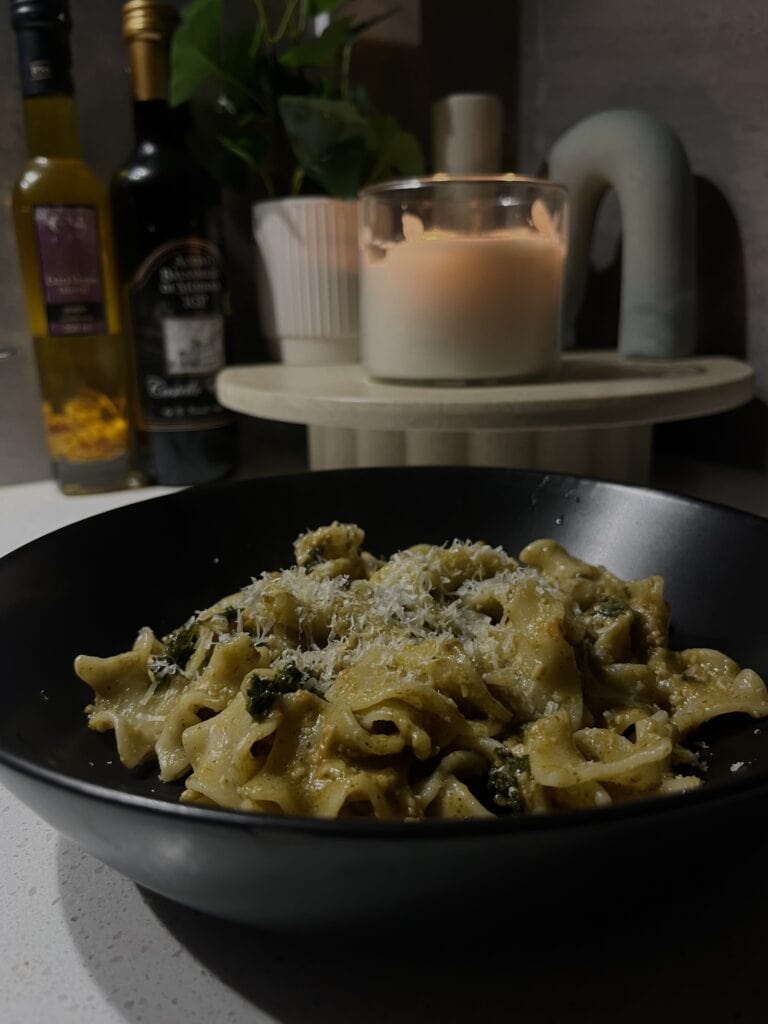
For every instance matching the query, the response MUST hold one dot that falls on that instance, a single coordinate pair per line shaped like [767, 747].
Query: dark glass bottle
[165, 209]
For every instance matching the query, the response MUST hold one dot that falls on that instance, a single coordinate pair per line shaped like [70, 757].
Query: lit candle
[445, 306]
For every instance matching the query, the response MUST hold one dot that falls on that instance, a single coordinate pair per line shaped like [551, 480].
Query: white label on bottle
[193, 345]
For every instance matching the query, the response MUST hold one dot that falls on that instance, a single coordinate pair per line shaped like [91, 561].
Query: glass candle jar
[461, 279]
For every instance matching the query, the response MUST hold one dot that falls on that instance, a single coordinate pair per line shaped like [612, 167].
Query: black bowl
[89, 587]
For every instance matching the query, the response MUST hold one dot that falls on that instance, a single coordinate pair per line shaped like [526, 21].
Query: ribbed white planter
[307, 278]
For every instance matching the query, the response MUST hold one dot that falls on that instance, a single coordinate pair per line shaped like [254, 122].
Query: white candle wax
[453, 307]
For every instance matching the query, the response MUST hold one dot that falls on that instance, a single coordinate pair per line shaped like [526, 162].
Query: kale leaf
[611, 607]
[262, 693]
[504, 780]
[179, 648]
[180, 644]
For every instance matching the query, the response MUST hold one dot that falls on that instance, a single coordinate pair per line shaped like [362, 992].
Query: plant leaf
[229, 169]
[396, 152]
[340, 170]
[358, 95]
[320, 52]
[322, 116]
[196, 49]
[329, 139]
[324, 6]
[297, 180]
[359, 27]
[406, 154]
[243, 54]
[251, 148]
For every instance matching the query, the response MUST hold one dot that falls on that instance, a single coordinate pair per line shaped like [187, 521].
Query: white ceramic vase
[307, 278]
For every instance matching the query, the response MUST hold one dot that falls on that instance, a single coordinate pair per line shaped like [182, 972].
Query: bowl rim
[380, 828]
[713, 793]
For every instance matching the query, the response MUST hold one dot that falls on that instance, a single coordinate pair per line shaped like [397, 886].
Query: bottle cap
[144, 19]
[42, 32]
[147, 30]
[37, 14]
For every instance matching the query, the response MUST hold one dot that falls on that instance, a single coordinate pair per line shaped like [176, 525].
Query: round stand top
[594, 389]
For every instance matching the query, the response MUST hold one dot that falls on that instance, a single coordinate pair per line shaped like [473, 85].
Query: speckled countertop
[80, 944]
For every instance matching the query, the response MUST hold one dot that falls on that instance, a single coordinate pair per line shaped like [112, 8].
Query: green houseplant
[275, 110]
[275, 105]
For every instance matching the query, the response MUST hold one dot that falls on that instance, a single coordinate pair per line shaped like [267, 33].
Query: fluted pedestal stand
[596, 419]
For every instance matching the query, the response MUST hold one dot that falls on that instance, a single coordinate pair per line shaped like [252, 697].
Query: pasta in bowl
[451, 681]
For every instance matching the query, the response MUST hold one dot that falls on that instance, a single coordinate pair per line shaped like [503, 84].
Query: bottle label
[70, 269]
[176, 303]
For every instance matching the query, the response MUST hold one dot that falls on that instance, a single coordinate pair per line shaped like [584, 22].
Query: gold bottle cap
[149, 20]
[147, 29]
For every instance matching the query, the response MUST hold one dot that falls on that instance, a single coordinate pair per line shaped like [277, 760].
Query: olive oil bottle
[165, 209]
[63, 227]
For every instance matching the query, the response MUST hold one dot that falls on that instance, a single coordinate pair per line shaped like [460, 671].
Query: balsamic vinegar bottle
[62, 219]
[165, 209]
